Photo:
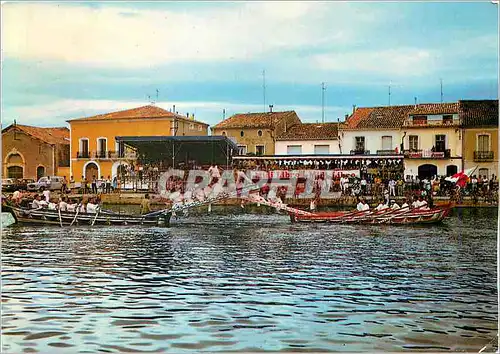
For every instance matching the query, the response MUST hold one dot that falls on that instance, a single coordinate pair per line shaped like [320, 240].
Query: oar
[95, 218]
[77, 211]
[60, 219]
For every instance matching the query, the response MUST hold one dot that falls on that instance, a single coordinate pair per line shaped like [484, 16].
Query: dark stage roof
[203, 150]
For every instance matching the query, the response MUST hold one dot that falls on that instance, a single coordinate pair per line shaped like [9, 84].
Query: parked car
[51, 182]
[8, 185]
[22, 184]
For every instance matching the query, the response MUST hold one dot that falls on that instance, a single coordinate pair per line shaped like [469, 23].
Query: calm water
[251, 283]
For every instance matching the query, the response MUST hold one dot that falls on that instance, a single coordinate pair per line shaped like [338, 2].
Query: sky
[65, 60]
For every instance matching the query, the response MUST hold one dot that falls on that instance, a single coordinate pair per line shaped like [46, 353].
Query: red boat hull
[431, 216]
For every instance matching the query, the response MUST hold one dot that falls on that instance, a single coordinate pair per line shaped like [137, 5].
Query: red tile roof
[435, 108]
[57, 135]
[311, 131]
[358, 115]
[148, 111]
[259, 120]
[478, 113]
[390, 117]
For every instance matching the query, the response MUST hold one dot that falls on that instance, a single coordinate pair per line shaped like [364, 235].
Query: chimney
[271, 108]
[173, 109]
[415, 102]
[346, 116]
[187, 115]
[223, 114]
[353, 108]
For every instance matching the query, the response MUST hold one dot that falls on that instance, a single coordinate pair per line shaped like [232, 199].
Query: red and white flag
[460, 178]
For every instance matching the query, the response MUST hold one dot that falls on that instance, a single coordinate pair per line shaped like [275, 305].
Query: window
[102, 147]
[242, 149]
[448, 119]
[223, 133]
[200, 128]
[360, 143]
[84, 148]
[321, 149]
[259, 150]
[483, 172]
[294, 149]
[259, 133]
[242, 133]
[40, 172]
[121, 149]
[191, 126]
[420, 120]
[15, 172]
[483, 142]
[413, 140]
[451, 170]
[440, 143]
[387, 142]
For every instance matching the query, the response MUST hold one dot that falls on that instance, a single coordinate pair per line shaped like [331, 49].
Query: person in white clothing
[392, 187]
[36, 204]
[63, 205]
[360, 205]
[381, 206]
[422, 204]
[52, 205]
[46, 195]
[404, 205]
[394, 205]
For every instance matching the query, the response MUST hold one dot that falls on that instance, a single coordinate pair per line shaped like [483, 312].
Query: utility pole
[389, 94]
[441, 80]
[323, 88]
[264, 88]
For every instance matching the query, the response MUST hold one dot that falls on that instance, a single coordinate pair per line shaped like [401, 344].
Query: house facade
[34, 152]
[479, 120]
[373, 131]
[433, 140]
[95, 151]
[309, 139]
[256, 133]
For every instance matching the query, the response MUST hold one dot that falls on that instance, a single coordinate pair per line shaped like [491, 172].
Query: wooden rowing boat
[64, 218]
[387, 216]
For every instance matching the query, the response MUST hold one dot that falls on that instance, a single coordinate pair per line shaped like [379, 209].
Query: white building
[374, 131]
[309, 139]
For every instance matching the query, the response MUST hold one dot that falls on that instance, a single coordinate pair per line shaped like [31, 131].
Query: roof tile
[435, 108]
[258, 120]
[311, 131]
[478, 113]
[57, 135]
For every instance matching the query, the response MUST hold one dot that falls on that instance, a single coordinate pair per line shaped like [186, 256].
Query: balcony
[82, 154]
[427, 154]
[360, 152]
[432, 123]
[387, 152]
[483, 156]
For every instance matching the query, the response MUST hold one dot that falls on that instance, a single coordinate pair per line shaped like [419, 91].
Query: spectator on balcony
[400, 187]
[474, 183]
[363, 186]
[386, 196]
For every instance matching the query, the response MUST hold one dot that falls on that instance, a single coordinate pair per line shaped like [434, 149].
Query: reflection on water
[251, 283]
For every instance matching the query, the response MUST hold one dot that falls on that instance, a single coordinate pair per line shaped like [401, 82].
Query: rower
[415, 203]
[405, 204]
[394, 205]
[422, 203]
[360, 205]
[381, 206]
[36, 204]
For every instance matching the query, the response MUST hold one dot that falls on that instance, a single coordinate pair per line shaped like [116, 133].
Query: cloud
[113, 36]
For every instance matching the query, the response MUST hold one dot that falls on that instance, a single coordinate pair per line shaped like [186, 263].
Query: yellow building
[433, 140]
[94, 150]
[256, 133]
[480, 128]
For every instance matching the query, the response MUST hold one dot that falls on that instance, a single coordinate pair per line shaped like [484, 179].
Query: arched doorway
[40, 172]
[427, 171]
[451, 170]
[91, 170]
[15, 172]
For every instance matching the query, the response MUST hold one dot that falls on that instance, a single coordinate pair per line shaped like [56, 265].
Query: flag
[460, 178]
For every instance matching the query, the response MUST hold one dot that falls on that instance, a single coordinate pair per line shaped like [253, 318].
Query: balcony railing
[82, 154]
[483, 156]
[387, 152]
[432, 123]
[105, 155]
[360, 152]
[427, 154]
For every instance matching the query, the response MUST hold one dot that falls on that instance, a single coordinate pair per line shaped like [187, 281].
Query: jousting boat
[54, 217]
[387, 216]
